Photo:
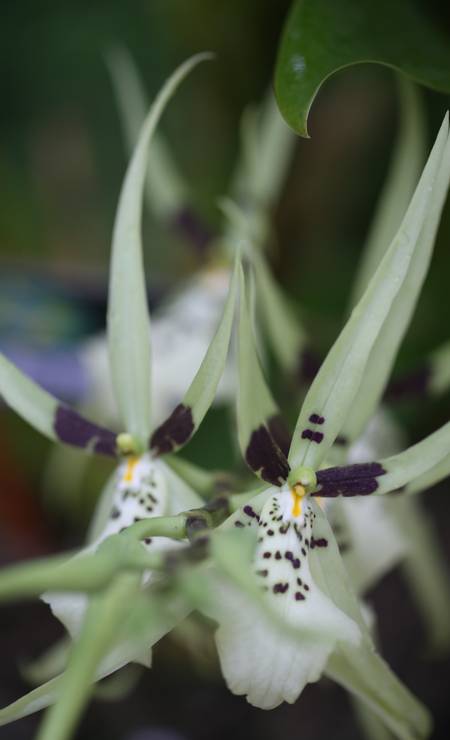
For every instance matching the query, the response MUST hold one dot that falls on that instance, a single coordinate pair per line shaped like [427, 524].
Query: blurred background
[62, 159]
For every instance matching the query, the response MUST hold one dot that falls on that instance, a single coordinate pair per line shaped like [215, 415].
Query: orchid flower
[296, 556]
[143, 486]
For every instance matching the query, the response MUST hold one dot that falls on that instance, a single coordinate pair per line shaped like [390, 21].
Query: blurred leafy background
[62, 158]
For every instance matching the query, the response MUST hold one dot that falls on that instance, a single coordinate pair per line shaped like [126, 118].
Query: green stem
[103, 618]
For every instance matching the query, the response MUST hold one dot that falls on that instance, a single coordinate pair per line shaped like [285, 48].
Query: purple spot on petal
[73, 429]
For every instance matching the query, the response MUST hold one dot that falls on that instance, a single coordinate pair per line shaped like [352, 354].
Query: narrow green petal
[258, 420]
[128, 319]
[101, 624]
[283, 328]
[267, 145]
[404, 171]
[184, 421]
[425, 570]
[365, 674]
[165, 189]
[420, 465]
[359, 668]
[27, 398]
[334, 389]
[440, 370]
[385, 349]
[370, 724]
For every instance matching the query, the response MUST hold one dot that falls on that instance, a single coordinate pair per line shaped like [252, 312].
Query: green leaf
[166, 192]
[321, 37]
[421, 465]
[336, 385]
[385, 349]
[404, 171]
[128, 319]
[258, 419]
[27, 398]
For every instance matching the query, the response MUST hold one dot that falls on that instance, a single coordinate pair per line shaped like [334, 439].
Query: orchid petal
[360, 669]
[185, 419]
[419, 466]
[267, 659]
[50, 417]
[424, 569]
[404, 170]
[385, 349]
[334, 389]
[128, 318]
[27, 398]
[165, 189]
[260, 429]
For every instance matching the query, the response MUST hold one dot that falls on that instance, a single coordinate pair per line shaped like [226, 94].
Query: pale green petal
[420, 465]
[370, 724]
[365, 674]
[198, 479]
[103, 509]
[404, 171]
[202, 390]
[267, 145]
[440, 369]
[165, 189]
[182, 496]
[384, 351]
[425, 570]
[257, 413]
[360, 669]
[146, 624]
[27, 398]
[335, 387]
[283, 328]
[128, 319]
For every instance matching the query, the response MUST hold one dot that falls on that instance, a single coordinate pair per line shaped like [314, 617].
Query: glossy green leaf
[27, 398]
[335, 387]
[420, 465]
[128, 319]
[321, 37]
[385, 349]
[165, 189]
[404, 171]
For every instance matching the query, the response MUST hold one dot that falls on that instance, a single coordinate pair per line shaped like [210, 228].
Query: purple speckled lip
[59, 371]
[74, 429]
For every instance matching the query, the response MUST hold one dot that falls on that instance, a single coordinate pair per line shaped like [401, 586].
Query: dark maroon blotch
[316, 419]
[280, 433]
[264, 456]
[173, 432]
[349, 480]
[73, 429]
